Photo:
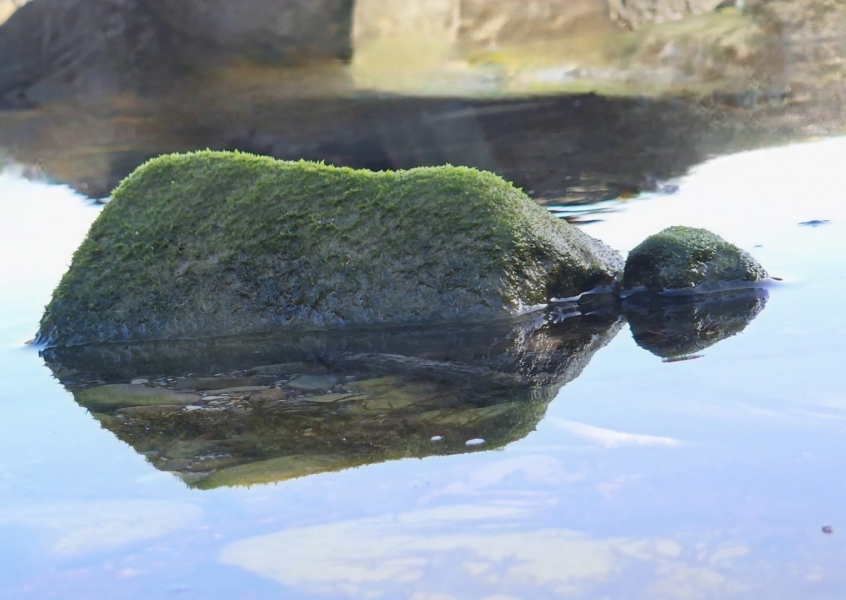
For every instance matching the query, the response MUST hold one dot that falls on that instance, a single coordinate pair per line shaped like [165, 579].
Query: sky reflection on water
[707, 478]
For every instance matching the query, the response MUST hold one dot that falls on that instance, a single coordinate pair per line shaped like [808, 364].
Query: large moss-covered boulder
[216, 243]
[691, 260]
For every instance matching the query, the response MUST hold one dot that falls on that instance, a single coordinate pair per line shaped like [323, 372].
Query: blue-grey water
[703, 478]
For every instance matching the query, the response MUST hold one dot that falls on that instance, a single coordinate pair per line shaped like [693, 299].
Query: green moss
[682, 258]
[110, 397]
[485, 380]
[361, 438]
[217, 243]
[277, 469]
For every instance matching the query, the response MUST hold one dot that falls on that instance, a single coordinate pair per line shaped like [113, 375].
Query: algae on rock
[214, 243]
[689, 259]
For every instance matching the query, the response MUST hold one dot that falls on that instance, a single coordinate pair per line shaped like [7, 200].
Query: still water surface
[703, 478]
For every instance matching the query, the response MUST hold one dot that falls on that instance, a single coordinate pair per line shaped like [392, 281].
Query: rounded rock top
[690, 260]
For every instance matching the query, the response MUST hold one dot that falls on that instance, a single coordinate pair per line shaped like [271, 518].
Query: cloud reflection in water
[477, 550]
[82, 527]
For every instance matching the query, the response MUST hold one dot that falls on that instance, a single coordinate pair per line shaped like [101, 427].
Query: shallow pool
[710, 477]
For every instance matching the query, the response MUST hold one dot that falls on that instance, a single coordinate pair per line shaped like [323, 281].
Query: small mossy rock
[215, 243]
[686, 258]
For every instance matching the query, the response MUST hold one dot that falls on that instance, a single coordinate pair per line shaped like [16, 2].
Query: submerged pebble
[475, 442]
[328, 398]
[437, 438]
[210, 384]
[149, 411]
[239, 390]
[313, 383]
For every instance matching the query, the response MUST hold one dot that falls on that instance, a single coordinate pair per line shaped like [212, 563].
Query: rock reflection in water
[675, 328]
[247, 411]
[244, 411]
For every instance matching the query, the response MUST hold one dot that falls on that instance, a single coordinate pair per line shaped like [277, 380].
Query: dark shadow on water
[675, 328]
[259, 409]
[566, 149]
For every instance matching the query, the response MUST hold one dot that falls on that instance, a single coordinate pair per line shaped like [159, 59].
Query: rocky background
[89, 43]
[573, 101]
[636, 13]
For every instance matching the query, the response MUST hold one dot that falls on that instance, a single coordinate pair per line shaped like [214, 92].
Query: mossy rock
[689, 259]
[214, 243]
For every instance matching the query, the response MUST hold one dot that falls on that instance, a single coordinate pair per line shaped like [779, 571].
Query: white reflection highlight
[610, 438]
[41, 228]
[470, 547]
[742, 197]
[82, 527]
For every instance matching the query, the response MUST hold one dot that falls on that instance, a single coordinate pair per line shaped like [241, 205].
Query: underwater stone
[313, 383]
[214, 243]
[205, 384]
[125, 395]
[689, 259]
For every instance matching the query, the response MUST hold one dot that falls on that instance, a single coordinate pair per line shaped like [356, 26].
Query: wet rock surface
[686, 259]
[227, 243]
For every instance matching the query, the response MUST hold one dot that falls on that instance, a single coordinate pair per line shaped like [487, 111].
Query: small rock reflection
[678, 328]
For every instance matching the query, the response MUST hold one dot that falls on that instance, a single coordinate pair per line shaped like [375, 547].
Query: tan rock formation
[636, 13]
[479, 22]
[436, 20]
[489, 22]
[7, 7]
